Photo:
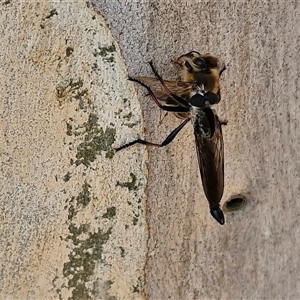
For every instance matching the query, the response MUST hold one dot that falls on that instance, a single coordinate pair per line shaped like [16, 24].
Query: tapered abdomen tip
[218, 215]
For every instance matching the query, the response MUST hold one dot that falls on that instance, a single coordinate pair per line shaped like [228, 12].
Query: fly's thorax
[207, 77]
[196, 111]
[204, 121]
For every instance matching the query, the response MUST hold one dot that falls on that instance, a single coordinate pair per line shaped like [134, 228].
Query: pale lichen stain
[132, 186]
[68, 86]
[71, 89]
[102, 289]
[126, 116]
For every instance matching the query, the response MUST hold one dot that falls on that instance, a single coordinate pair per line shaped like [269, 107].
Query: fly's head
[194, 65]
[201, 69]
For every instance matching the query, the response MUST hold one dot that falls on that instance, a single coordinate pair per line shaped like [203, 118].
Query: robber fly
[191, 100]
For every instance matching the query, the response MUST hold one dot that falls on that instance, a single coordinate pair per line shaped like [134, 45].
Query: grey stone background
[255, 254]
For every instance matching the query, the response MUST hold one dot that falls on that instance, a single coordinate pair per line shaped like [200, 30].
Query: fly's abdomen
[212, 172]
[209, 142]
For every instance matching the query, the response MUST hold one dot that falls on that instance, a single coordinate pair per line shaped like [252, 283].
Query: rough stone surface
[72, 210]
[255, 254]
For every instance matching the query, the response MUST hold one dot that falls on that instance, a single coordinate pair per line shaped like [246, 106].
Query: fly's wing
[210, 151]
[179, 88]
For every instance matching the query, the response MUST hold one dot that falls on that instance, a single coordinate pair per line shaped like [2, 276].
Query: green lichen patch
[95, 140]
[80, 95]
[69, 128]
[94, 145]
[131, 185]
[79, 202]
[110, 213]
[128, 116]
[67, 177]
[69, 51]
[122, 251]
[139, 286]
[84, 197]
[72, 211]
[86, 254]
[106, 52]
[70, 87]
[135, 220]
[95, 67]
[52, 13]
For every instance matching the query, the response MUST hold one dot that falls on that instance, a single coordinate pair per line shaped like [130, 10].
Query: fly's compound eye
[198, 100]
[212, 98]
[200, 62]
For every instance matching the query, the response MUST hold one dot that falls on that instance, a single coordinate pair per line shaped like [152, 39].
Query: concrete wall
[255, 255]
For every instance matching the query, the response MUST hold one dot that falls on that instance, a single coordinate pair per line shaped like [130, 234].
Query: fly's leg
[222, 70]
[167, 141]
